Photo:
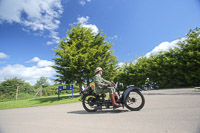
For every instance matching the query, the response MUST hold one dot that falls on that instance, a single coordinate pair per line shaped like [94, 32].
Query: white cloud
[121, 64]
[84, 23]
[2, 62]
[164, 46]
[91, 26]
[37, 15]
[35, 59]
[29, 74]
[83, 20]
[45, 63]
[3, 56]
[113, 37]
[55, 38]
[41, 63]
[83, 2]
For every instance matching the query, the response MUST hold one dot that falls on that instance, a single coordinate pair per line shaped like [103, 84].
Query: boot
[115, 105]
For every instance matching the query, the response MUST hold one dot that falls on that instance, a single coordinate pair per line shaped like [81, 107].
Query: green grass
[39, 102]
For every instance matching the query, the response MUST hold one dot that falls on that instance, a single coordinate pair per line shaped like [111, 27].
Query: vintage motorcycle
[131, 98]
[150, 86]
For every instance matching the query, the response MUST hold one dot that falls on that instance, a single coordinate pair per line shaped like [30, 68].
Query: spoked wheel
[89, 103]
[134, 100]
[145, 88]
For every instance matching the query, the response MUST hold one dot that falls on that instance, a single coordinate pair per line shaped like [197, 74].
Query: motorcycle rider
[103, 86]
[147, 82]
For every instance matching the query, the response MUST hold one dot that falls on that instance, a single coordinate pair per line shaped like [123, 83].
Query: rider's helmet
[98, 69]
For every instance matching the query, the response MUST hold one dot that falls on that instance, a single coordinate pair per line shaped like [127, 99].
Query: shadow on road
[98, 112]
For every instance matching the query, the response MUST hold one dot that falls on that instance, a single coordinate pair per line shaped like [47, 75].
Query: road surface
[165, 111]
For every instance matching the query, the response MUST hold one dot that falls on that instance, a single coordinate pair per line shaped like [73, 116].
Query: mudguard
[129, 89]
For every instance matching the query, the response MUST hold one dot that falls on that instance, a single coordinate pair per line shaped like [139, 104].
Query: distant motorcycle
[150, 86]
[155, 86]
[131, 98]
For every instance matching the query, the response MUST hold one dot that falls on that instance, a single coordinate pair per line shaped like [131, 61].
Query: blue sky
[30, 29]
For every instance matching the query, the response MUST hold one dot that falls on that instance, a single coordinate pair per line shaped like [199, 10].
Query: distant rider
[103, 86]
[147, 82]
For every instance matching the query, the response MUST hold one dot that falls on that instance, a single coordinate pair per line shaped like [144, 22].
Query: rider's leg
[111, 91]
[112, 97]
[116, 105]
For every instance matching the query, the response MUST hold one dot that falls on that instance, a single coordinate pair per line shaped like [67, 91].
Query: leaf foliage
[178, 67]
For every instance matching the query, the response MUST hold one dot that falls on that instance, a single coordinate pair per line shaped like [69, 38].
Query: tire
[134, 100]
[145, 88]
[157, 87]
[89, 103]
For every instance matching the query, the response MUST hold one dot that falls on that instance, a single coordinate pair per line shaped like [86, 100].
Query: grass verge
[39, 102]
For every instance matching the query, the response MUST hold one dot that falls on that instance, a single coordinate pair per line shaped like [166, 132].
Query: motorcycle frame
[121, 97]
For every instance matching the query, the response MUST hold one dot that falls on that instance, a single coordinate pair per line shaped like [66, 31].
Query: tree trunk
[80, 84]
[88, 81]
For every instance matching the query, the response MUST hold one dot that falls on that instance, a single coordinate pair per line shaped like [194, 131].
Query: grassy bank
[39, 102]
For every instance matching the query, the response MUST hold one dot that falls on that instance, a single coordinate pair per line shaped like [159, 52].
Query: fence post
[72, 92]
[17, 92]
[40, 91]
[58, 93]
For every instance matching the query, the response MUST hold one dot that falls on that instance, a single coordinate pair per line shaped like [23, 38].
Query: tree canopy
[43, 81]
[80, 52]
[178, 67]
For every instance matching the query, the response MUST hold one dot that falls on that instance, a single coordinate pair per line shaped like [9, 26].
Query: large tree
[80, 52]
[43, 81]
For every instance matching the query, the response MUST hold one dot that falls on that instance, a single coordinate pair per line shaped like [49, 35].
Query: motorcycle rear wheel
[89, 103]
[145, 88]
[134, 101]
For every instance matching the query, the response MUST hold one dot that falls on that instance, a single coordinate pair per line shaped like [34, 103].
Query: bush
[8, 89]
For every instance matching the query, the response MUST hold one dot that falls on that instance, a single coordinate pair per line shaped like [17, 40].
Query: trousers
[109, 90]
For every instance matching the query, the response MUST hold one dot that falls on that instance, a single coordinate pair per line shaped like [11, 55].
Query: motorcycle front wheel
[134, 101]
[89, 103]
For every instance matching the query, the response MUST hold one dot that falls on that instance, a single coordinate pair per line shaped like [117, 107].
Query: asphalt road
[165, 111]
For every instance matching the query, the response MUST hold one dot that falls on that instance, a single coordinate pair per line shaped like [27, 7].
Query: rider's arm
[106, 81]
